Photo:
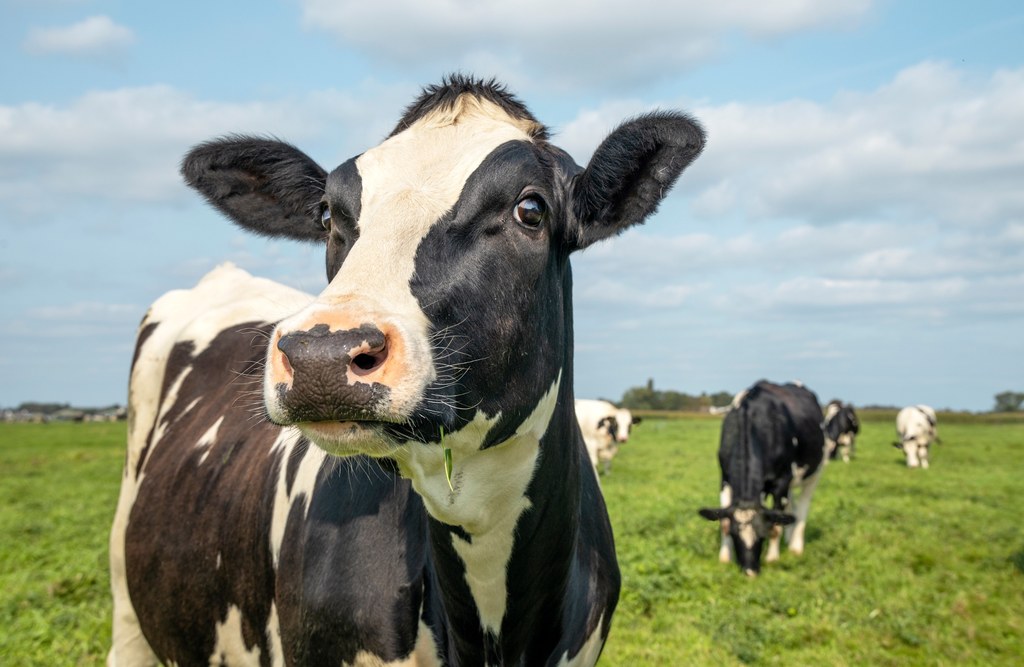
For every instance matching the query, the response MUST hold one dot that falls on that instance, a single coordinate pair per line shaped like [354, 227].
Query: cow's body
[915, 427]
[459, 522]
[841, 429]
[772, 444]
[605, 428]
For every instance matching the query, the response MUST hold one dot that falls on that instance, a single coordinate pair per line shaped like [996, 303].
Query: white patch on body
[209, 438]
[302, 486]
[489, 497]
[230, 645]
[590, 650]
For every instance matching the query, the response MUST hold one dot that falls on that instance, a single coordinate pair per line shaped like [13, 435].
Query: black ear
[781, 518]
[266, 186]
[714, 513]
[631, 172]
[637, 420]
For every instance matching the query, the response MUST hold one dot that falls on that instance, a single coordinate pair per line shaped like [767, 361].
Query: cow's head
[748, 525]
[447, 251]
[624, 421]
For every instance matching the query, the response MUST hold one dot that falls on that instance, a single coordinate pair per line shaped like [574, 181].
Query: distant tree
[1009, 401]
[43, 408]
[649, 398]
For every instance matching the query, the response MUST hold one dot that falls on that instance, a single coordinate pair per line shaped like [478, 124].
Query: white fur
[601, 446]
[489, 497]
[230, 643]
[916, 433]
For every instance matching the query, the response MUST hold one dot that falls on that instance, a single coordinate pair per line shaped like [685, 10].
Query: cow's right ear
[714, 513]
[630, 173]
[266, 186]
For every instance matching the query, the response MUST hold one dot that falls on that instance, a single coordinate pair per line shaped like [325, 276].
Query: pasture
[902, 566]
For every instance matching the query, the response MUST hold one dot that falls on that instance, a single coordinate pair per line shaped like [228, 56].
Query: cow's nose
[320, 354]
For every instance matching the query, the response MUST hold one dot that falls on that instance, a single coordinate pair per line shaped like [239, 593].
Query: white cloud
[94, 36]
[934, 143]
[572, 43]
[125, 145]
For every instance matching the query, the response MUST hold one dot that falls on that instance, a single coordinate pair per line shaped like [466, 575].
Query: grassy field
[902, 566]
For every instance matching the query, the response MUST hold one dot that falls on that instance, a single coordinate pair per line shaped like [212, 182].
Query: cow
[772, 443]
[604, 427]
[915, 427]
[841, 429]
[389, 472]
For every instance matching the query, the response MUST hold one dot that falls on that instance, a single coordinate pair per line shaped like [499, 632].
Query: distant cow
[772, 443]
[604, 427]
[915, 427]
[841, 429]
[390, 472]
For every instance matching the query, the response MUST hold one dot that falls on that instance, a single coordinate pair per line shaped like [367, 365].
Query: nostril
[367, 362]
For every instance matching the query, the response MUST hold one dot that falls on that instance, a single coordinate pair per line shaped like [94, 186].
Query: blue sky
[856, 222]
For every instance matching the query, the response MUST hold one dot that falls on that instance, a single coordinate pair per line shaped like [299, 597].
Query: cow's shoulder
[226, 309]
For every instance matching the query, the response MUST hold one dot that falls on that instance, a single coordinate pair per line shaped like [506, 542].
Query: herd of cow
[393, 472]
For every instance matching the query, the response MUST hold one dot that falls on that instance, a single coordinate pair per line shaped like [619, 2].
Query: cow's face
[624, 421]
[449, 289]
[748, 526]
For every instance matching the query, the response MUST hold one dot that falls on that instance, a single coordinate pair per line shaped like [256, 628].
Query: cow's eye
[325, 216]
[530, 211]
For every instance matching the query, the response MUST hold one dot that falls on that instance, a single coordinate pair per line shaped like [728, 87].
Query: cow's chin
[350, 438]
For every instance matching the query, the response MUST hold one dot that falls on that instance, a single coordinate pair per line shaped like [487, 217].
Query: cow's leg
[773, 544]
[801, 508]
[911, 449]
[922, 455]
[725, 551]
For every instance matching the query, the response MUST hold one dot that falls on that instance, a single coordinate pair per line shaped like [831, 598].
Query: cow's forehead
[418, 174]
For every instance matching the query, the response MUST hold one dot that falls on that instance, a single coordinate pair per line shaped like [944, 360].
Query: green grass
[58, 490]
[901, 567]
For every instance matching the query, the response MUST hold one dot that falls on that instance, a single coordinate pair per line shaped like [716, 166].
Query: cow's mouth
[345, 438]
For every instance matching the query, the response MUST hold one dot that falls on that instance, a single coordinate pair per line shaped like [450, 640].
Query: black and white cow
[311, 516]
[772, 443]
[841, 429]
[915, 427]
[604, 428]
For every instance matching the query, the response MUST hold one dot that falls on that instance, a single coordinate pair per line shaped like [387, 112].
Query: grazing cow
[390, 472]
[915, 426]
[772, 443]
[604, 428]
[841, 429]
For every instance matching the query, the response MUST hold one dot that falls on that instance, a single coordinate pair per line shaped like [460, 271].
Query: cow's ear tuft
[263, 185]
[714, 513]
[630, 173]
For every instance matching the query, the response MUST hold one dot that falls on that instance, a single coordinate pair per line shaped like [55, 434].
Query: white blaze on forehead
[745, 520]
[408, 183]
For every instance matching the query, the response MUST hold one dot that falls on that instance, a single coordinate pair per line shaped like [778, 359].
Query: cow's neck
[502, 540]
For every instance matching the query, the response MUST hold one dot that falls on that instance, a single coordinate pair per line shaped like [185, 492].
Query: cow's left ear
[714, 513]
[630, 173]
[637, 420]
[263, 185]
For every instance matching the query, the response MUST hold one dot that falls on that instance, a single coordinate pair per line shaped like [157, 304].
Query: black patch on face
[320, 391]
[497, 294]
[343, 195]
